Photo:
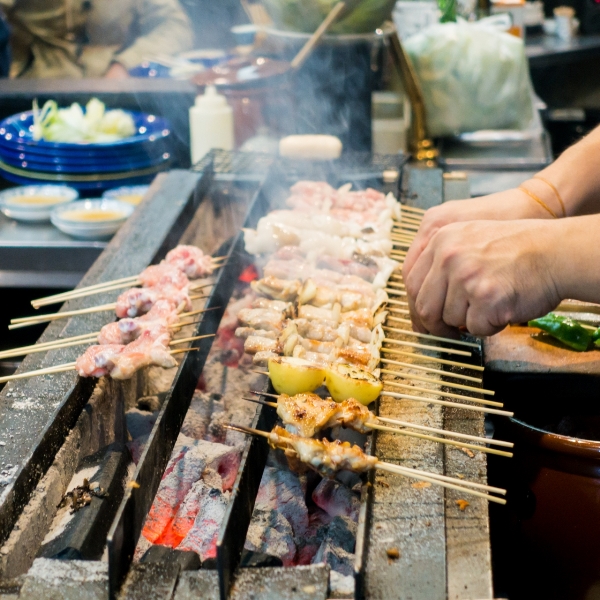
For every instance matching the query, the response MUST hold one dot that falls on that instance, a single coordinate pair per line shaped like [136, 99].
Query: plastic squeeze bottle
[211, 123]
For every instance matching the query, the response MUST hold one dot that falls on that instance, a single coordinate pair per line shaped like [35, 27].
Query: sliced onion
[290, 375]
[349, 381]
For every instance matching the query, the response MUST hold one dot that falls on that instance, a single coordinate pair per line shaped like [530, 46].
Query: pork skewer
[327, 458]
[146, 300]
[72, 366]
[308, 414]
[188, 259]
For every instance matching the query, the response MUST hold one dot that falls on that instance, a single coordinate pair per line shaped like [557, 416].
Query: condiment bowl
[91, 219]
[132, 194]
[35, 203]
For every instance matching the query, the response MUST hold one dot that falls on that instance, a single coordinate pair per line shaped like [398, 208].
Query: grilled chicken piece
[98, 361]
[254, 344]
[327, 458]
[145, 351]
[191, 261]
[261, 318]
[307, 414]
[138, 301]
[163, 274]
[285, 308]
[277, 289]
[246, 332]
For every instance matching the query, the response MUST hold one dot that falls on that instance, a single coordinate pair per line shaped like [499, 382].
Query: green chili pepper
[566, 330]
[596, 337]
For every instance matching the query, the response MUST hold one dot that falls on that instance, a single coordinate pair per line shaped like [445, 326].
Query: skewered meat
[262, 318]
[286, 308]
[164, 274]
[143, 352]
[245, 332]
[327, 458]
[98, 361]
[277, 289]
[307, 414]
[255, 344]
[191, 261]
[126, 331]
[138, 301]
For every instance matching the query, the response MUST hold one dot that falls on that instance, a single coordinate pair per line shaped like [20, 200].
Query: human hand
[503, 206]
[483, 275]
[116, 71]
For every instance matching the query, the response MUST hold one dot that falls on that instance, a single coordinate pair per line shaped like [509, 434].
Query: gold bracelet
[538, 200]
[562, 204]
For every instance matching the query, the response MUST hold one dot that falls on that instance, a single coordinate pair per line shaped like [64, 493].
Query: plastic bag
[473, 77]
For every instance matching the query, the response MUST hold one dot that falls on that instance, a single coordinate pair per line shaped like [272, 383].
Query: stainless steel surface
[490, 182]
[528, 154]
[39, 255]
[546, 50]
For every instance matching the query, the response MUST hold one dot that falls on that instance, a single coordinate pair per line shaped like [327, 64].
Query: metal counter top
[39, 255]
[547, 50]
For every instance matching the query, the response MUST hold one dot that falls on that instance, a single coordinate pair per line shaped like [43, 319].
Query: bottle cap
[211, 99]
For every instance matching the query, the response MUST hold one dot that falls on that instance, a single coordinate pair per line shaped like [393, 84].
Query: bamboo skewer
[394, 292]
[421, 436]
[430, 370]
[71, 366]
[98, 286]
[483, 409]
[72, 296]
[397, 284]
[437, 430]
[38, 319]
[406, 207]
[456, 386]
[396, 469]
[409, 473]
[453, 395]
[428, 336]
[426, 358]
[67, 342]
[396, 303]
[427, 347]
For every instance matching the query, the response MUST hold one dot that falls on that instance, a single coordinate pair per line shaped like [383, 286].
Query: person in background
[4, 46]
[484, 263]
[92, 38]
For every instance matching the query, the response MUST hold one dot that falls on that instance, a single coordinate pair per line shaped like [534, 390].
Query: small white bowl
[132, 194]
[91, 219]
[33, 203]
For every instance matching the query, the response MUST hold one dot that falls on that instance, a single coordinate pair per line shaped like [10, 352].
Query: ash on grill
[299, 519]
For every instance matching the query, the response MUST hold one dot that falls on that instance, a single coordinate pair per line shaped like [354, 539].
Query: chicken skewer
[109, 365]
[308, 414]
[327, 458]
[188, 259]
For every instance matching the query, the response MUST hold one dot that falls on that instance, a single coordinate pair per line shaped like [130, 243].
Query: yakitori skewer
[396, 303]
[428, 400]
[407, 365]
[37, 319]
[71, 366]
[394, 292]
[428, 336]
[320, 453]
[359, 417]
[433, 359]
[78, 340]
[427, 347]
[132, 279]
[396, 284]
[84, 293]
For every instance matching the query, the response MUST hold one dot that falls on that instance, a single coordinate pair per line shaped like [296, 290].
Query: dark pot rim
[555, 442]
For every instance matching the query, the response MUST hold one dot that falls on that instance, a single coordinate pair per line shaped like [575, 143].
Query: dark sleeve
[4, 46]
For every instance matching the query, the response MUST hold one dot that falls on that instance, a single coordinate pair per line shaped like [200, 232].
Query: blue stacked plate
[85, 166]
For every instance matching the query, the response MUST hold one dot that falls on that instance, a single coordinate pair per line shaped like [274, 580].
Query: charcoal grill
[441, 551]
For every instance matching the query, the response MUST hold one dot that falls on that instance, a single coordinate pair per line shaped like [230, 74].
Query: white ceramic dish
[132, 194]
[33, 203]
[91, 219]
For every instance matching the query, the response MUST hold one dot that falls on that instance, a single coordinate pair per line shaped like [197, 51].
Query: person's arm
[165, 29]
[575, 175]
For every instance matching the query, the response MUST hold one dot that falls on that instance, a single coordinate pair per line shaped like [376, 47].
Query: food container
[91, 219]
[132, 194]
[34, 203]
